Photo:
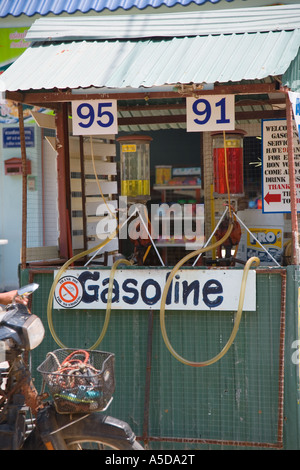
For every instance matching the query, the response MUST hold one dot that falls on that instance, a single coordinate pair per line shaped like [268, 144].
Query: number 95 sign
[210, 113]
[94, 117]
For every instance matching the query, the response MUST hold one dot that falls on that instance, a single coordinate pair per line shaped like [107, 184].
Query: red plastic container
[235, 166]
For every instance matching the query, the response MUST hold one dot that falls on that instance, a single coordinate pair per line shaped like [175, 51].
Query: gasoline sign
[191, 289]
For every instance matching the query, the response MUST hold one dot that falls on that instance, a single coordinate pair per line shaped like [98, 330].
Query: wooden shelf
[164, 187]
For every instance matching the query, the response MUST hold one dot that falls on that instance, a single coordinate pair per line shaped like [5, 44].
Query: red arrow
[272, 198]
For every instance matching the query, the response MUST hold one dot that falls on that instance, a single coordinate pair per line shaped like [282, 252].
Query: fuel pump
[135, 167]
[228, 172]
[135, 185]
[233, 146]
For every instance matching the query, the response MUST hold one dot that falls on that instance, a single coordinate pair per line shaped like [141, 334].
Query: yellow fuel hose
[253, 260]
[109, 299]
[57, 277]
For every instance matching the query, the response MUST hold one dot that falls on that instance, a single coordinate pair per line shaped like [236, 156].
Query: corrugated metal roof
[291, 78]
[240, 20]
[153, 63]
[158, 61]
[44, 7]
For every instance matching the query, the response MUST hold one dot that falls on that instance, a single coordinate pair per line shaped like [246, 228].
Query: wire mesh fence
[236, 401]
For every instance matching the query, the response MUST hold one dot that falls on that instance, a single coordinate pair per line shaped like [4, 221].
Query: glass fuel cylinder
[135, 166]
[235, 167]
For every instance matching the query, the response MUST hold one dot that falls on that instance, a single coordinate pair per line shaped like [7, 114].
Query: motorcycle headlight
[34, 332]
[25, 329]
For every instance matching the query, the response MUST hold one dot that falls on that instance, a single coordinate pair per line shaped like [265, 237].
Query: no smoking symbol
[68, 292]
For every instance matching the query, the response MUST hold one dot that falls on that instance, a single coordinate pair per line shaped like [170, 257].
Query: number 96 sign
[94, 117]
[210, 113]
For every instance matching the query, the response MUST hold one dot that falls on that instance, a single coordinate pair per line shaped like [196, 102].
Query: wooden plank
[100, 149]
[77, 223]
[99, 208]
[113, 245]
[107, 187]
[47, 121]
[41, 253]
[76, 203]
[54, 97]
[100, 227]
[76, 185]
[63, 173]
[44, 120]
[77, 242]
[102, 168]
[52, 142]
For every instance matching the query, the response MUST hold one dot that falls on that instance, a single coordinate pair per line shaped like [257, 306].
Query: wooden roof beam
[181, 118]
[48, 98]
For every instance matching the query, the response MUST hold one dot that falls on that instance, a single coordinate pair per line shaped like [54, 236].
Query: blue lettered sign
[295, 101]
[94, 117]
[11, 137]
[210, 113]
[191, 289]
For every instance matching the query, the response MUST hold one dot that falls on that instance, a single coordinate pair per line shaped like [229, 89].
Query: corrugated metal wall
[235, 402]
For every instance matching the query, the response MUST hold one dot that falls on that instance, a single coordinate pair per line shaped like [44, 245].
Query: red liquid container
[235, 166]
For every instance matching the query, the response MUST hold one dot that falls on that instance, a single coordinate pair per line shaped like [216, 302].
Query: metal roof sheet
[170, 56]
[44, 7]
[153, 63]
[291, 77]
[240, 20]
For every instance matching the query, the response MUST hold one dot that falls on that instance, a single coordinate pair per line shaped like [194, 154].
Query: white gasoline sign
[141, 289]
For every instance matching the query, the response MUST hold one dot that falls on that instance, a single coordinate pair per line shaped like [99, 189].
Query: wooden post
[63, 176]
[293, 192]
[83, 198]
[24, 185]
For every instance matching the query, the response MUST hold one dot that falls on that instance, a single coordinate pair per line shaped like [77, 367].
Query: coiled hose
[253, 260]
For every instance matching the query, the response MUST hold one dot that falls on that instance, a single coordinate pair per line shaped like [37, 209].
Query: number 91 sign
[94, 117]
[210, 113]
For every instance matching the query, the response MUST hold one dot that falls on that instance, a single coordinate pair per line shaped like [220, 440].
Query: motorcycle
[81, 383]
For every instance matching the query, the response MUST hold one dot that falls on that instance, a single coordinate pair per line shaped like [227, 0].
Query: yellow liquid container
[135, 188]
[135, 165]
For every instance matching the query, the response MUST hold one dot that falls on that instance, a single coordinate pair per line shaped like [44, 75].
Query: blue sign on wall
[11, 137]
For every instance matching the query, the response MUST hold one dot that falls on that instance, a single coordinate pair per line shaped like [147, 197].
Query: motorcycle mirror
[28, 289]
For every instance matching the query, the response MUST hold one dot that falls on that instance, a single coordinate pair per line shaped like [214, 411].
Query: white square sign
[210, 113]
[94, 117]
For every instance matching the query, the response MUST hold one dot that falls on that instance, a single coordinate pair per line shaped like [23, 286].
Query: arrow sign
[272, 198]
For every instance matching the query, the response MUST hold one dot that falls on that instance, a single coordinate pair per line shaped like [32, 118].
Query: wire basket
[79, 381]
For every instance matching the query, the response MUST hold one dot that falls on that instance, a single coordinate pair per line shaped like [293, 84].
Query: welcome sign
[191, 289]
